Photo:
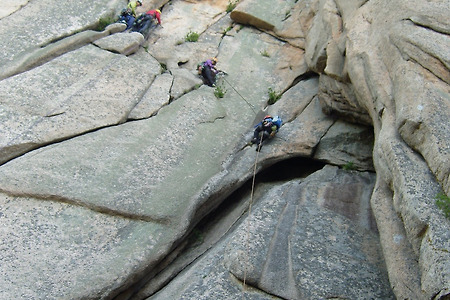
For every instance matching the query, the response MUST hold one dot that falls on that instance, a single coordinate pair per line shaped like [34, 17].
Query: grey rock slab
[414, 189]
[320, 241]
[125, 168]
[42, 22]
[34, 58]
[347, 144]
[184, 81]
[250, 73]
[11, 6]
[294, 100]
[286, 222]
[54, 250]
[157, 96]
[261, 14]
[49, 104]
[339, 99]
[301, 136]
[168, 45]
[207, 278]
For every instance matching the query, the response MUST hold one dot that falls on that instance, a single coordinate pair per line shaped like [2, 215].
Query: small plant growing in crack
[104, 22]
[231, 5]
[219, 92]
[196, 237]
[191, 36]
[265, 53]
[349, 166]
[274, 96]
[226, 30]
[443, 202]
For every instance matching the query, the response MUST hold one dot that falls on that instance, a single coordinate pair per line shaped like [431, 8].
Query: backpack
[277, 121]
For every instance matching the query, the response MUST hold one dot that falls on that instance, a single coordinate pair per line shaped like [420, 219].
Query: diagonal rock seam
[96, 208]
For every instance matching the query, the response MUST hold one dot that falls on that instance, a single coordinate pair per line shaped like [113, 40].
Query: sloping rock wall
[123, 177]
[398, 91]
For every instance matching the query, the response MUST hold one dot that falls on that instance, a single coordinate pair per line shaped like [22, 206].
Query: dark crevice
[303, 77]
[192, 247]
[290, 169]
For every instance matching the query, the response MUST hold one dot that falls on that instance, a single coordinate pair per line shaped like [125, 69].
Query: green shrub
[274, 96]
[219, 92]
[443, 202]
[192, 36]
[104, 22]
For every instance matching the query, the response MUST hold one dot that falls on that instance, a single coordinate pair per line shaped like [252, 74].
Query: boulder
[261, 14]
[125, 43]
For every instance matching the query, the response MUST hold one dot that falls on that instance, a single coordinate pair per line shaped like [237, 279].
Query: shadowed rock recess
[123, 176]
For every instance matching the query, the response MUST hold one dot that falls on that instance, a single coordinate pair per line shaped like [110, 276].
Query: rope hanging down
[248, 219]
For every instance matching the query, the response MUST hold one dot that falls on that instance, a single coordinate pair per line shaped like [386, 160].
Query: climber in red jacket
[155, 13]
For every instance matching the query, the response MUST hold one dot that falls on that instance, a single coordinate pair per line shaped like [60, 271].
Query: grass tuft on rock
[192, 36]
[443, 202]
[104, 22]
[274, 96]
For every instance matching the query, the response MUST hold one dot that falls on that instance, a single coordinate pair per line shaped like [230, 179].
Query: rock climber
[126, 18]
[155, 13]
[265, 129]
[132, 5]
[128, 15]
[208, 70]
[145, 21]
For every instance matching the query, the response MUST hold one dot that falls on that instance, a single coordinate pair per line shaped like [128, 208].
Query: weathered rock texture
[123, 177]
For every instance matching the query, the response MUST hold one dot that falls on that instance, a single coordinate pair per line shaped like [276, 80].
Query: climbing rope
[248, 103]
[247, 246]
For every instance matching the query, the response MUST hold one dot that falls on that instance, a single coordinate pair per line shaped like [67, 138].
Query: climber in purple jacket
[208, 70]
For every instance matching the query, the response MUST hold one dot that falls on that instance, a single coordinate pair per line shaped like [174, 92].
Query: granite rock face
[122, 176]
